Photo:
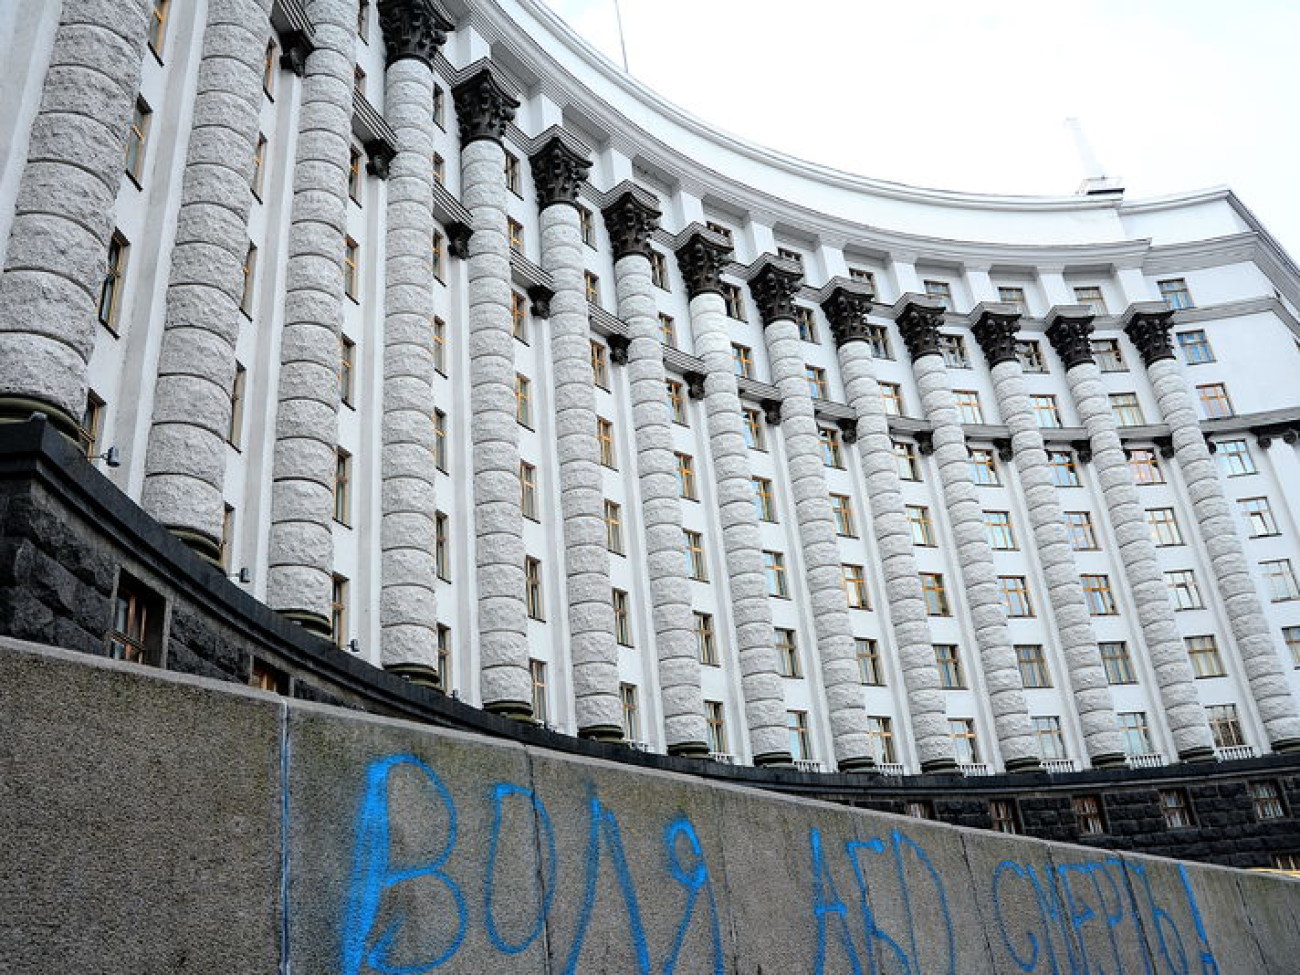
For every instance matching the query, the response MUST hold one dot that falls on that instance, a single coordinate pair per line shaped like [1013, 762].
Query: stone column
[299, 580]
[847, 304]
[1147, 325]
[484, 108]
[64, 213]
[995, 330]
[559, 167]
[702, 254]
[631, 219]
[408, 616]
[774, 283]
[918, 321]
[1068, 330]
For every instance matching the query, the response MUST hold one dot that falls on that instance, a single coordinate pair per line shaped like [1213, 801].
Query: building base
[421, 674]
[689, 749]
[208, 549]
[309, 621]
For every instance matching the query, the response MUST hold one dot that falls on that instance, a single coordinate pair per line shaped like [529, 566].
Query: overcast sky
[1174, 95]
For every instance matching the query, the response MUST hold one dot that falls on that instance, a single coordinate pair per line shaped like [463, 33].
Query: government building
[448, 342]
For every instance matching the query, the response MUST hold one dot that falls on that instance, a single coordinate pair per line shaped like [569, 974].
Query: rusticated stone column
[918, 321]
[299, 579]
[559, 167]
[64, 213]
[1068, 330]
[846, 304]
[995, 330]
[774, 283]
[484, 108]
[1148, 325]
[701, 254]
[185, 466]
[408, 616]
[631, 220]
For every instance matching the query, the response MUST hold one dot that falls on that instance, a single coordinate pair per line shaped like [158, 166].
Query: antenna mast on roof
[1095, 181]
[618, 13]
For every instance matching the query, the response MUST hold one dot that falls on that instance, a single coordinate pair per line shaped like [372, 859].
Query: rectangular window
[1279, 580]
[1174, 291]
[92, 425]
[954, 351]
[892, 394]
[1046, 411]
[359, 80]
[1234, 458]
[235, 433]
[110, 292]
[351, 268]
[439, 336]
[907, 461]
[605, 437]
[356, 174]
[715, 720]
[721, 230]
[855, 586]
[342, 486]
[270, 63]
[339, 611]
[734, 301]
[787, 652]
[1087, 815]
[1215, 403]
[948, 659]
[878, 336]
[866, 277]
[622, 618]
[1195, 346]
[441, 546]
[1164, 527]
[1065, 473]
[940, 291]
[965, 747]
[1291, 637]
[997, 527]
[774, 568]
[1117, 662]
[587, 225]
[1051, 742]
[136, 633]
[1266, 797]
[818, 387]
[265, 677]
[1145, 467]
[918, 517]
[695, 563]
[537, 672]
[1002, 814]
[1127, 409]
[1097, 594]
[842, 507]
[1183, 590]
[1203, 651]
[439, 170]
[786, 254]
[523, 400]
[1014, 591]
[1108, 355]
[533, 593]
[807, 322]
[440, 440]
[1033, 665]
[871, 670]
[1014, 296]
[1030, 354]
[600, 364]
[438, 254]
[677, 401]
[832, 452]
[1176, 807]
[528, 490]
[513, 180]
[1091, 296]
[668, 330]
[347, 369]
[614, 527]
[259, 167]
[631, 712]
[249, 281]
[158, 25]
[936, 595]
[1133, 728]
[983, 467]
[706, 642]
[800, 740]
[686, 476]
[755, 438]
[137, 138]
[439, 107]
[591, 285]
[1081, 532]
[880, 729]
[742, 360]
[920, 809]
[968, 406]
[764, 501]
[515, 231]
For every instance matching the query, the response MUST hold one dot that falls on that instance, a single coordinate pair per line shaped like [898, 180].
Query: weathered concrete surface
[151, 822]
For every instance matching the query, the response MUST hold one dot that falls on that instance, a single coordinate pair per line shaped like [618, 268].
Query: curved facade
[511, 377]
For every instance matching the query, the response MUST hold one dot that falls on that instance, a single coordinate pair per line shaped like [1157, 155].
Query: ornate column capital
[631, 219]
[1147, 324]
[846, 304]
[1068, 329]
[413, 29]
[559, 168]
[483, 106]
[995, 326]
[701, 254]
[919, 318]
[774, 281]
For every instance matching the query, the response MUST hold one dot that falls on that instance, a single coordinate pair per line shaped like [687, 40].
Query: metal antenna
[622, 43]
[1095, 179]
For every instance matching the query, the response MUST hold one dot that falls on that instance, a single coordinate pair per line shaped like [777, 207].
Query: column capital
[631, 219]
[484, 107]
[559, 168]
[774, 281]
[702, 254]
[1068, 329]
[919, 317]
[846, 304]
[1147, 324]
[413, 29]
[995, 324]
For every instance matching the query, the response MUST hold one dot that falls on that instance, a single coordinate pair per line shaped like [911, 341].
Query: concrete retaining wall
[153, 822]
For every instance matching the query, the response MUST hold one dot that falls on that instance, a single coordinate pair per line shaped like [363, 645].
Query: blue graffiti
[827, 904]
[871, 929]
[500, 793]
[695, 879]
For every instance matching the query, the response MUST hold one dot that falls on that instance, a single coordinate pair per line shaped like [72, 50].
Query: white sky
[1174, 94]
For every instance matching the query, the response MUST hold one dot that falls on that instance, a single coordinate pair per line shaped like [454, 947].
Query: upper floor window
[605, 439]
[1033, 665]
[907, 461]
[918, 518]
[533, 591]
[677, 401]
[787, 652]
[878, 336]
[842, 507]
[137, 137]
[720, 229]
[870, 668]
[940, 291]
[438, 254]
[807, 323]
[755, 438]
[1215, 402]
[270, 65]
[742, 360]
[1109, 356]
[1279, 580]
[866, 277]
[1259, 516]
[734, 302]
[892, 394]
[1065, 473]
[1014, 591]
[528, 490]
[1030, 354]
[523, 400]
[1164, 526]
[347, 370]
[1184, 593]
[356, 175]
[342, 486]
[439, 169]
[1014, 296]
[696, 566]
[158, 13]
[600, 364]
[855, 587]
[659, 270]
[935, 594]
[968, 406]
[519, 316]
[259, 166]
[955, 355]
[786, 254]
[832, 452]
[513, 180]
[110, 292]
[515, 231]
[1195, 346]
[1117, 663]
[764, 499]
[1127, 409]
[1046, 410]
[997, 526]
[1097, 594]
[614, 527]
[1145, 467]
[92, 421]
[592, 285]
[774, 569]
[818, 387]
[1091, 296]
[587, 226]
[686, 476]
[439, 107]
[351, 268]
[983, 467]
[668, 330]
[1174, 291]
[1079, 528]
[1234, 458]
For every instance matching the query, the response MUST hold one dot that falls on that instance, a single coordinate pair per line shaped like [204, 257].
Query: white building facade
[503, 373]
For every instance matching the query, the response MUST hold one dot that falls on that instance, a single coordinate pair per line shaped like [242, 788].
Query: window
[954, 351]
[658, 270]
[677, 401]
[1065, 473]
[136, 633]
[1033, 665]
[908, 463]
[668, 330]
[1215, 402]
[940, 291]
[1051, 743]
[1195, 346]
[880, 729]
[587, 225]
[842, 507]
[439, 169]
[719, 229]
[355, 177]
[715, 719]
[441, 546]
[528, 490]
[807, 323]
[1234, 458]
[92, 425]
[800, 740]
[591, 285]
[786, 254]
[249, 280]
[137, 138]
[265, 677]
[234, 435]
[537, 671]
[622, 617]
[439, 107]
[983, 467]
[1030, 354]
[1176, 807]
[523, 400]
[515, 232]
[533, 588]
[706, 642]
[755, 438]
[1091, 296]
[918, 516]
[600, 364]
[1174, 291]
[439, 338]
[605, 437]
[742, 359]
[787, 652]
[110, 293]
[1002, 813]
[259, 166]
[686, 476]
[1117, 662]
[832, 453]
[270, 59]
[1087, 814]
[1267, 800]
[1164, 527]
[997, 526]
[965, 748]
[764, 502]
[614, 527]
[347, 369]
[968, 406]
[892, 394]
[158, 25]
[948, 659]
[1014, 591]
[359, 80]
[1183, 591]
[1046, 411]
[1279, 580]
[878, 336]
[734, 302]
[817, 385]
[1097, 594]
[513, 181]
[342, 486]
[1108, 355]
[351, 275]
[870, 669]
[438, 254]
[440, 440]
[631, 712]
[1127, 409]
[862, 274]
[774, 569]
[1079, 528]
[920, 809]
[1133, 728]
[1203, 652]
[339, 611]
[1014, 296]
[1145, 467]
[1291, 637]
[519, 316]
[936, 596]
[695, 564]
[855, 587]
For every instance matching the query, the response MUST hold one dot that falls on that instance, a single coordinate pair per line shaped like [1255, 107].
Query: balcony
[807, 765]
[893, 769]
[723, 758]
[1059, 766]
[970, 769]
[1235, 752]
[1149, 760]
